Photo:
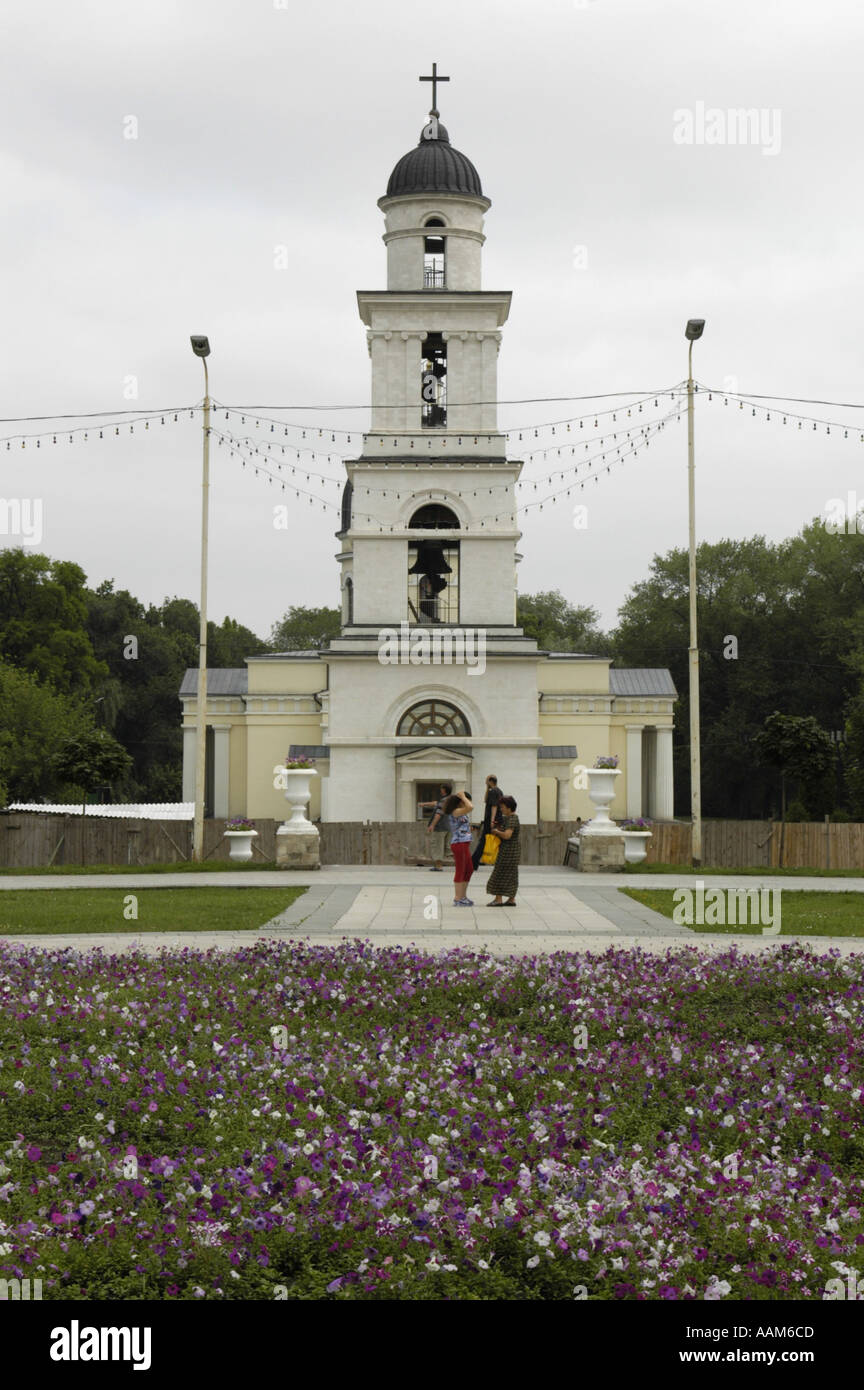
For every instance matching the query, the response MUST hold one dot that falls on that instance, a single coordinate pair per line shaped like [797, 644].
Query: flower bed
[350, 1122]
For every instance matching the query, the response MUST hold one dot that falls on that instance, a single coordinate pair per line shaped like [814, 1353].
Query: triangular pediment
[434, 753]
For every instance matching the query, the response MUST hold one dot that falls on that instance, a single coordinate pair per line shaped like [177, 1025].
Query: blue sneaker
[465, 902]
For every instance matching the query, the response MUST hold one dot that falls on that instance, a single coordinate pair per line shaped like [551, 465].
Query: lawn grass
[757, 872]
[57, 911]
[803, 912]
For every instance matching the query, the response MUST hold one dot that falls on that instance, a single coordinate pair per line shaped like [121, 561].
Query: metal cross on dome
[434, 79]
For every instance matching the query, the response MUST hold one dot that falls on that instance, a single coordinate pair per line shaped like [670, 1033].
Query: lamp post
[692, 332]
[201, 348]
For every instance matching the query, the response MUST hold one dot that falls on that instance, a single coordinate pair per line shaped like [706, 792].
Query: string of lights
[260, 468]
[247, 450]
[785, 415]
[248, 413]
[249, 444]
[92, 414]
[97, 431]
[559, 429]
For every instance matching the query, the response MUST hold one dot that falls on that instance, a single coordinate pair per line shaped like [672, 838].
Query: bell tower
[429, 513]
[429, 528]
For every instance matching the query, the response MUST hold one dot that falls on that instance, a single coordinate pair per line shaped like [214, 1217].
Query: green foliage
[34, 718]
[90, 759]
[800, 749]
[306, 629]
[556, 625]
[43, 611]
[140, 695]
[796, 612]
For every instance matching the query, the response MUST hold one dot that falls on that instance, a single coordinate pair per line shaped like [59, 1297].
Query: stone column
[221, 745]
[458, 388]
[649, 763]
[382, 388]
[409, 417]
[664, 802]
[406, 810]
[633, 770]
[489, 347]
[189, 759]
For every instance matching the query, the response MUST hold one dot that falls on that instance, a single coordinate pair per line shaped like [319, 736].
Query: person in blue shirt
[459, 808]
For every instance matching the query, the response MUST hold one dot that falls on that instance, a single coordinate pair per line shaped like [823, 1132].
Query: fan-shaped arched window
[433, 718]
[433, 516]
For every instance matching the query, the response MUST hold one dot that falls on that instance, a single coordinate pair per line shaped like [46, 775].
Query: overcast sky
[258, 127]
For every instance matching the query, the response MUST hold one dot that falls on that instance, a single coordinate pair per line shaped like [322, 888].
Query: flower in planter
[640, 823]
[240, 823]
[607, 762]
[301, 764]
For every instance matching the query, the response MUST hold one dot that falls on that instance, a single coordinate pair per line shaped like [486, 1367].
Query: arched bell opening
[433, 381]
[434, 256]
[433, 581]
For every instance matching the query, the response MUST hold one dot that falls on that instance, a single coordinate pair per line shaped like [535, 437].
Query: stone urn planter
[298, 842]
[240, 843]
[635, 845]
[601, 790]
[298, 789]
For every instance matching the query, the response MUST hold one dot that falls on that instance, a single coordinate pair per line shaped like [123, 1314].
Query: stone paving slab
[369, 875]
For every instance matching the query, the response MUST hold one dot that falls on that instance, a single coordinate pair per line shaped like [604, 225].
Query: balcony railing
[433, 278]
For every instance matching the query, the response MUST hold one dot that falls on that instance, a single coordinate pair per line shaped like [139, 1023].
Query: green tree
[34, 719]
[230, 643]
[146, 653]
[557, 626]
[91, 759]
[802, 751]
[43, 621]
[305, 629]
[775, 627]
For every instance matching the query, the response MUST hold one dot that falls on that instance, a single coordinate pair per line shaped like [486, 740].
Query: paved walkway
[558, 910]
[367, 875]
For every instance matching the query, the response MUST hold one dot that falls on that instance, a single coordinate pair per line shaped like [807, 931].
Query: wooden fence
[33, 840]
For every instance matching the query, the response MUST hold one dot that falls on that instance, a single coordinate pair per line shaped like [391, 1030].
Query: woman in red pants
[459, 808]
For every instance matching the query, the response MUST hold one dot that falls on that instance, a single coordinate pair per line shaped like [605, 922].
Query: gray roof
[434, 167]
[558, 750]
[642, 681]
[308, 750]
[230, 680]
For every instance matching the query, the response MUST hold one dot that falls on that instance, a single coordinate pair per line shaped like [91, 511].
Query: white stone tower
[429, 529]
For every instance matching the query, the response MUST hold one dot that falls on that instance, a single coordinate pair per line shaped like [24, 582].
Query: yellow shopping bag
[490, 849]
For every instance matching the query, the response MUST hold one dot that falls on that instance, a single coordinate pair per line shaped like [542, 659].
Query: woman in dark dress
[504, 878]
[490, 818]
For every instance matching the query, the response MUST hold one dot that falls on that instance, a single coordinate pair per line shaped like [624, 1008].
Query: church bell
[430, 559]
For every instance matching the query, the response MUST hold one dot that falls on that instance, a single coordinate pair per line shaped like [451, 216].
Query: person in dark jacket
[491, 812]
[439, 822]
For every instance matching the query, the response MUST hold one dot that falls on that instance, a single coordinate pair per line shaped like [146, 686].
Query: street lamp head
[694, 329]
[200, 346]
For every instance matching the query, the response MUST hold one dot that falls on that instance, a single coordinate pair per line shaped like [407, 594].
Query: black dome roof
[434, 167]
